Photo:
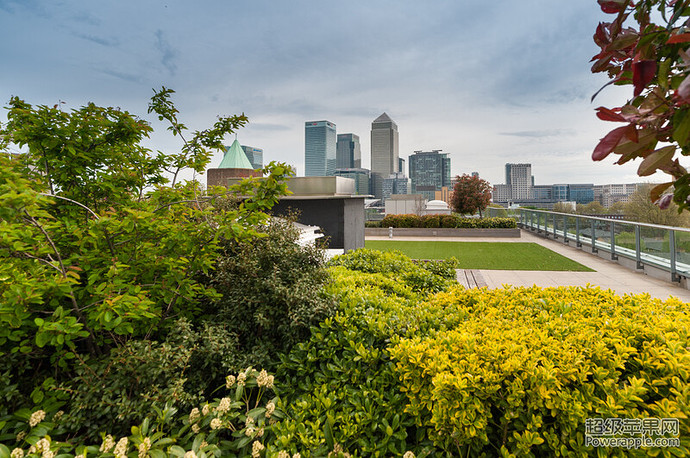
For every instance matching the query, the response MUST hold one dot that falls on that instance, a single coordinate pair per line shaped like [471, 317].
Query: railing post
[614, 257]
[594, 236]
[565, 229]
[577, 232]
[672, 248]
[554, 227]
[638, 247]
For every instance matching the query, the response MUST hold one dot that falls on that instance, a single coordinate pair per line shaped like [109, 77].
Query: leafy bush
[445, 221]
[519, 370]
[271, 292]
[238, 424]
[341, 385]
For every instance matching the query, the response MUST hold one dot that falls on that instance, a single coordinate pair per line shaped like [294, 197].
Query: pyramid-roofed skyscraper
[235, 158]
[384, 152]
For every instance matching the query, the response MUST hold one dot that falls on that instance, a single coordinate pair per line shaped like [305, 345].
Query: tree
[654, 59]
[563, 207]
[95, 248]
[470, 194]
[640, 208]
[592, 208]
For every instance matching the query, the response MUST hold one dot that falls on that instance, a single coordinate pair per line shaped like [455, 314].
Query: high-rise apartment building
[348, 152]
[384, 152]
[519, 178]
[429, 172]
[255, 156]
[319, 148]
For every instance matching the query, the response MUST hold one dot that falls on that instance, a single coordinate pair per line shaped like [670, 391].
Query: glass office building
[319, 148]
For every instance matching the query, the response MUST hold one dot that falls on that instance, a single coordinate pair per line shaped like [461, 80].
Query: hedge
[445, 221]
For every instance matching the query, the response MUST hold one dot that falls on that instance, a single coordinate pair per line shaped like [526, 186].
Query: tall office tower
[348, 153]
[401, 165]
[319, 148]
[519, 178]
[429, 172]
[255, 156]
[384, 152]
[396, 183]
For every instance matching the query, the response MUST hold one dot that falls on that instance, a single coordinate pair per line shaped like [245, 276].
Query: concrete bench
[470, 278]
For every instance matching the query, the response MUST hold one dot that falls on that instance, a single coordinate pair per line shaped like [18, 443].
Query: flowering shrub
[519, 370]
[238, 424]
[446, 221]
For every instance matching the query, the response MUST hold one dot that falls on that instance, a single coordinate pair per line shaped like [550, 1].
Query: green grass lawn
[484, 255]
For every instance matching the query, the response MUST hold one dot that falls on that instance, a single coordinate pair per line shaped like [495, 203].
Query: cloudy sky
[487, 82]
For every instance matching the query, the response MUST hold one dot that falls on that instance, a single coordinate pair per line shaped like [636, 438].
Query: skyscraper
[255, 156]
[429, 172]
[348, 152]
[519, 178]
[384, 152]
[319, 148]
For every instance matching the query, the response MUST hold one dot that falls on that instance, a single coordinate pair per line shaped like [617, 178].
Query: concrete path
[608, 275]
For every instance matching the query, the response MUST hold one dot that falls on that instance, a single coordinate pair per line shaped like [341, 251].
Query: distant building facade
[348, 152]
[255, 156]
[519, 178]
[429, 172]
[384, 152]
[319, 148]
[396, 183]
[613, 193]
[233, 165]
[361, 176]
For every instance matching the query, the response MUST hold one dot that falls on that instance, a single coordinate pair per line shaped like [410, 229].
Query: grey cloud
[98, 40]
[122, 76]
[540, 133]
[168, 53]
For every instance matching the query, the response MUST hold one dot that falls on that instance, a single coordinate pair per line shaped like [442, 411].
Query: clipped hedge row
[520, 370]
[446, 221]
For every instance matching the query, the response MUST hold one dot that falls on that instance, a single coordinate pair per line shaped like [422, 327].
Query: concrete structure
[436, 207]
[348, 152]
[384, 152]
[319, 148]
[444, 194]
[255, 156]
[327, 202]
[429, 172]
[234, 165]
[396, 183]
[361, 176]
[405, 204]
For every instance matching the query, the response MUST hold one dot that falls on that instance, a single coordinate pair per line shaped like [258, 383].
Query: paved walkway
[608, 275]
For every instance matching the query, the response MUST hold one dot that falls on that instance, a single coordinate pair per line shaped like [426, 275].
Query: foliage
[445, 221]
[592, 208]
[518, 370]
[340, 385]
[471, 194]
[95, 251]
[639, 208]
[654, 59]
[235, 425]
[272, 291]
[563, 207]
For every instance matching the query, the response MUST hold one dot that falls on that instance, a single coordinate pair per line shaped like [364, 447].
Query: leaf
[609, 142]
[684, 89]
[656, 192]
[612, 6]
[679, 38]
[643, 74]
[606, 114]
[656, 159]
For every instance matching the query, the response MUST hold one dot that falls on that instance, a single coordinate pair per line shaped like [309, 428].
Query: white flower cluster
[257, 448]
[36, 418]
[270, 408]
[144, 447]
[241, 379]
[230, 381]
[190, 454]
[42, 447]
[108, 443]
[223, 406]
[408, 454]
[121, 448]
[263, 379]
[17, 453]
[216, 423]
[194, 415]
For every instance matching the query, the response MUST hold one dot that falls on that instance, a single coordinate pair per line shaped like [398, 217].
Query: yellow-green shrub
[519, 370]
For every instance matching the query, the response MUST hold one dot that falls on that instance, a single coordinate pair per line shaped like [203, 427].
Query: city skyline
[489, 83]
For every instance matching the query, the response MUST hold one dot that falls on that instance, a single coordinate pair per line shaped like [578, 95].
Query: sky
[488, 82]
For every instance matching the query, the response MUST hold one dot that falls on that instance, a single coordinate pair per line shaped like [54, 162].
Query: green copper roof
[235, 158]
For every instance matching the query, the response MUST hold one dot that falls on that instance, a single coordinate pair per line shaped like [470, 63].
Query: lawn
[484, 255]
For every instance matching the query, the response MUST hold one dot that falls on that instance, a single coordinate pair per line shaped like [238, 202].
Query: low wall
[441, 232]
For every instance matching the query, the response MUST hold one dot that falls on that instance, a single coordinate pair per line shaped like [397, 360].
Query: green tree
[640, 208]
[95, 248]
[653, 58]
[562, 207]
[471, 194]
[592, 208]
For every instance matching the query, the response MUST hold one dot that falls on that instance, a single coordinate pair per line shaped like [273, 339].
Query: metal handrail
[586, 234]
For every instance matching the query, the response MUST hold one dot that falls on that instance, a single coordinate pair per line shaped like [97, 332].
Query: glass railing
[664, 247]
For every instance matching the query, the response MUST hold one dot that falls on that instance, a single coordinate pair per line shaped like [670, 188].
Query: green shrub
[446, 221]
[272, 292]
[519, 370]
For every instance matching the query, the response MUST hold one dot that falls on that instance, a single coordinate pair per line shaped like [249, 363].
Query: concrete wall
[341, 219]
